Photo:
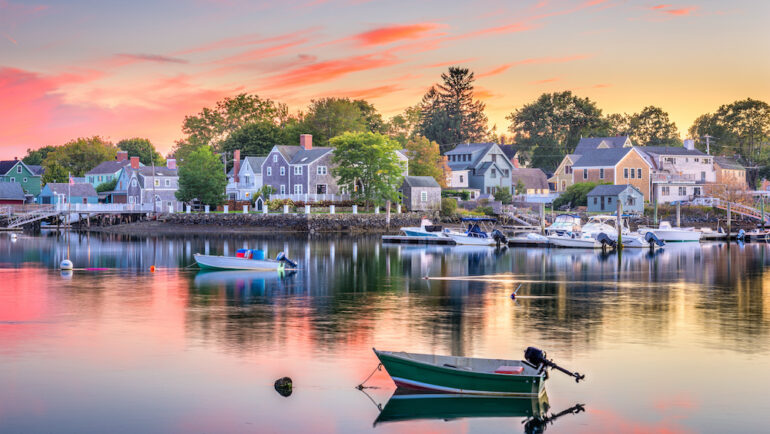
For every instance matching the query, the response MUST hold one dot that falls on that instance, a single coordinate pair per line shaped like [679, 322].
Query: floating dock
[403, 239]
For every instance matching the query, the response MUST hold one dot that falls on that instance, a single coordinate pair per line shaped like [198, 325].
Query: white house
[245, 178]
[679, 173]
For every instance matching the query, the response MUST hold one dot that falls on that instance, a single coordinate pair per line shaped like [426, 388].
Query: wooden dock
[403, 239]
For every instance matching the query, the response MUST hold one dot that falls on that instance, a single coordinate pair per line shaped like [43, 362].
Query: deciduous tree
[652, 127]
[330, 117]
[79, 156]
[551, 126]
[142, 148]
[202, 177]
[254, 139]
[367, 165]
[35, 157]
[425, 159]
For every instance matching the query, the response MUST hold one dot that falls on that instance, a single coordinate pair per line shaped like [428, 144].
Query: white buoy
[66, 264]
[13, 236]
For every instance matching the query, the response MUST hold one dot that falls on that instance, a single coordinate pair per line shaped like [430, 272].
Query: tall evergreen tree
[450, 115]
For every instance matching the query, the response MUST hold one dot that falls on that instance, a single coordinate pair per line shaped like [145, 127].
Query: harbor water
[676, 340]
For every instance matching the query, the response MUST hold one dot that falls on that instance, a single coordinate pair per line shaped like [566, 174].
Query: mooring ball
[283, 386]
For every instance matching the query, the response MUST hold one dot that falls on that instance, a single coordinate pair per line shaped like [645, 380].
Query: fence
[308, 197]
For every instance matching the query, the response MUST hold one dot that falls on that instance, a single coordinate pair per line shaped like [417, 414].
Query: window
[297, 188]
[18, 168]
[632, 173]
[283, 189]
[630, 201]
[320, 189]
[683, 191]
[696, 191]
[168, 183]
[269, 171]
[596, 201]
[423, 196]
[567, 170]
[625, 173]
[703, 176]
[601, 173]
[133, 182]
[283, 171]
[157, 182]
[24, 180]
[609, 200]
[275, 158]
[246, 180]
[494, 158]
[100, 178]
[321, 170]
[298, 170]
[168, 203]
[505, 173]
[665, 191]
[585, 173]
[639, 173]
[461, 178]
[130, 199]
[494, 173]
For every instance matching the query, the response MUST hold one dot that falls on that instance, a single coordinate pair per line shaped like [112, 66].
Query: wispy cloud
[368, 93]
[667, 10]
[141, 57]
[329, 70]
[395, 33]
[545, 80]
[450, 62]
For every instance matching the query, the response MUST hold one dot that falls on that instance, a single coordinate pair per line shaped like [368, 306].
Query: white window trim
[283, 189]
[269, 171]
[298, 170]
[275, 158]
[282, 171]
[423, 196]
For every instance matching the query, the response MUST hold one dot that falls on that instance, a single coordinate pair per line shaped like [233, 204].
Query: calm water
[678, 341]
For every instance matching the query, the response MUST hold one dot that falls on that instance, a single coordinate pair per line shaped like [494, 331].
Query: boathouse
[421, 193]
[604, 199]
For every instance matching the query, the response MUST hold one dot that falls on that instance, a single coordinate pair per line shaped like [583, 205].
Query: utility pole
[154, 202]
[708, 143]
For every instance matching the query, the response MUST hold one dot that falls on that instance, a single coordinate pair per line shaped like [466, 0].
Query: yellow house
[562, 177]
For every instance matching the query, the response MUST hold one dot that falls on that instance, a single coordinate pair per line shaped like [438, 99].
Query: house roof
[510, 151]
[591, 143]
[6, 165]
[421, 181]
[464, 148]
[77, 189]
[159, 171]
[300, 155]
[602, 157]
[107, 167]
[728, 163]
[610, 190]
[255, 162]
[670, 150]
[11, 191]
[532, 178]
[36, 169]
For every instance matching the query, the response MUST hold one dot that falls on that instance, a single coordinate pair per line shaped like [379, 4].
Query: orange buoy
[152, 268]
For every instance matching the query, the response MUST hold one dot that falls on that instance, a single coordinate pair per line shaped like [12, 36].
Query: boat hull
[674, 236]
[575, 243]
[415, 375]
[421, 233]
[414, 406]
[233, 263]
[472, 241]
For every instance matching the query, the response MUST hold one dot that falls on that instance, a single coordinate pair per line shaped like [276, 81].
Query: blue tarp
[478, 219]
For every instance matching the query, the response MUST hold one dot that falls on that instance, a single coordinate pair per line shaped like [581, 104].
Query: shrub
[277, 204]
[448, 206]
[485, 210]
[576, 195]
[504, 195]
[464, 195]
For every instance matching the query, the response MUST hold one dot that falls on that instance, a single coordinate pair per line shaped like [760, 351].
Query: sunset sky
[123, 69]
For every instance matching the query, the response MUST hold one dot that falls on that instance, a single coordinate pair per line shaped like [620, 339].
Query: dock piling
[619, 225]
[678, 214]
[729, 221]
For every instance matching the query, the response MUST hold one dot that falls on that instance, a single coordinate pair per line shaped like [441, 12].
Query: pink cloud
[328, 70]
[245, 41]
[660, 7]
[670, 10]
[545, 80]
[368, 93]
[390, 34]
[451, 62]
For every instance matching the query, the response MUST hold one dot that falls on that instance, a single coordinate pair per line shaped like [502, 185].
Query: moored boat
[668, 234]
[426, 229]
[564, 224]
[475, 235]
[243, 263]
[470, 376]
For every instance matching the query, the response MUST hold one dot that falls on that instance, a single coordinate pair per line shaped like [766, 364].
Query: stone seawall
[302, 223]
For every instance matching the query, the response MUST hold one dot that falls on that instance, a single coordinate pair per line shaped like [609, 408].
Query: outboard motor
[606, 240]
[652, 239]
[537, 357]
[741, 235]
[282, 258]
[499, 237]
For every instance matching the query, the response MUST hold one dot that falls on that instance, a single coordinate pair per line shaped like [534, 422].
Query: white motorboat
[602, 230]
[426, 229]
[564, 223]
[475, 236]
[579, 240]
[669, 234]
[247, 262]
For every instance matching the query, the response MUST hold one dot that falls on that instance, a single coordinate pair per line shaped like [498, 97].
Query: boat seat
[511, 370]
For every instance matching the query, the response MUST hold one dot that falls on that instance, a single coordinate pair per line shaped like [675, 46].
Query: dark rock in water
[283, 386]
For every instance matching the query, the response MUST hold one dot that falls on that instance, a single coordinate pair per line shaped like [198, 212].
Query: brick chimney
[171, 163]
[122, 156]
[306, 141]
[236, 165]
[134, 162]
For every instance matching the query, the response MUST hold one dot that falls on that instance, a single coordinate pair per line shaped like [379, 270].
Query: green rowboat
[411, 406]
[451, 374]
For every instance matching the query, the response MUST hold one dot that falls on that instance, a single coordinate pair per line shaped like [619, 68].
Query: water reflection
[195, 351]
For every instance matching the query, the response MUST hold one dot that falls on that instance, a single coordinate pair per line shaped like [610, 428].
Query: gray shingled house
[421, 193]
[604, 199]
